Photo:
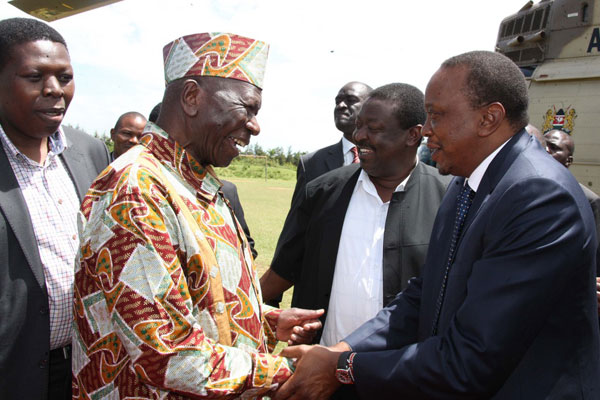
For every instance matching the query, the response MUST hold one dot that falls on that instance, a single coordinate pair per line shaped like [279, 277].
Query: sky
[316, 47]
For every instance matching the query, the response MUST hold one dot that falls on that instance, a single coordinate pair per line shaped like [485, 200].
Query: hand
[598, 293]
[314, 377]
[298, 326]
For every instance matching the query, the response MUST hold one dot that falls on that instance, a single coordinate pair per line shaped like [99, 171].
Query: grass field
[266, 205]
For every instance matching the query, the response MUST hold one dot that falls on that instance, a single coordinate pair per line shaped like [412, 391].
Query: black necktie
[463, 203]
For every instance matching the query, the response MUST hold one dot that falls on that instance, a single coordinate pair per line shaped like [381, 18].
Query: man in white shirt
[348, 102]
[360, 232]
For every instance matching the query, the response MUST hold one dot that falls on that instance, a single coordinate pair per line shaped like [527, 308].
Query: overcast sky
[316, 47]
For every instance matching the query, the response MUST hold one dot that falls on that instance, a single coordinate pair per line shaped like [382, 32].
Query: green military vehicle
[557, 45]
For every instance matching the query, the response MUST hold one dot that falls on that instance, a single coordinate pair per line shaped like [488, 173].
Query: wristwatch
[344, 372]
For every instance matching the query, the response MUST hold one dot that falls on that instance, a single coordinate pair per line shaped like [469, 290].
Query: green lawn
[266, 205]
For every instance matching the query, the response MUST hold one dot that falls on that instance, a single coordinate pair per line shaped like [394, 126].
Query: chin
[222, 163]
[443, 170]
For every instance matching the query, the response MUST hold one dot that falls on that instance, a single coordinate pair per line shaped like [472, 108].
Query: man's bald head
[348, 102]
[127, 131]
[560, 145]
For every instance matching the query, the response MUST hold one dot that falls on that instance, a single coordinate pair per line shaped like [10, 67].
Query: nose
[52, 87]
[426, 129]
[359, 134]
[134, 139]
[253, 126]
[340, 105]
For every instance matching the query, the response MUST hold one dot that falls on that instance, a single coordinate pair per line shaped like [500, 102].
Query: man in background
[347, 105]
[360, 232]
[127, 132]
[46, 171]
[561, 146]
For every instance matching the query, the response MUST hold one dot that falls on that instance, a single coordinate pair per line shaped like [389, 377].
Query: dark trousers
[59, 385]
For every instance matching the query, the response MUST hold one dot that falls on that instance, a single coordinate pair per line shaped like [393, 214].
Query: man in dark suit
[231, 194]
[505, 307]
[367, 222]
[347, 105]
[46, 171]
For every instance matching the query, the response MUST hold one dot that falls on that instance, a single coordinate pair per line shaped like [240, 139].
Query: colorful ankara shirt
[167, 303]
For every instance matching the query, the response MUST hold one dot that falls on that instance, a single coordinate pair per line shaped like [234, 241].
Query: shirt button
[74, 237]
[43, 311]
[60, 201]
[43, 363]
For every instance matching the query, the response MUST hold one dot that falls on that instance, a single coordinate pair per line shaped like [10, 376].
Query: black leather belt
[62, 353]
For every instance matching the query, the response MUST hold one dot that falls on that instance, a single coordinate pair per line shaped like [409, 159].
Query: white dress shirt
[357, 288]
[477, 175]
[347, 151]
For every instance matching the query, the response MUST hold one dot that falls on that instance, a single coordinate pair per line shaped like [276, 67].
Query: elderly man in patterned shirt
[167, 302]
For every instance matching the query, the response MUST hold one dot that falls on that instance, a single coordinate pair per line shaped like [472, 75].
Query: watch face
[343, 376]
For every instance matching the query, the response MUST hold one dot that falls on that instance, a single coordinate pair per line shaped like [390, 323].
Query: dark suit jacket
[317, 163]
[519, 317]
[230, 192]
[307, 248]
[24, 309]
[594, 200]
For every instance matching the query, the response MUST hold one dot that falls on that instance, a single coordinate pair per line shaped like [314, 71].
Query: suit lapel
[495, 171]
[17, 216]
[395, 227]
[336, 156]
[332, 227]
[75, 162]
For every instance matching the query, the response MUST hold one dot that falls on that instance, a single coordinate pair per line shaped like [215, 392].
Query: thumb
[295, 351]
[305, 314]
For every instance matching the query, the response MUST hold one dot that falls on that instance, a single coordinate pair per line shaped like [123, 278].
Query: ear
[491, 118]
[569, 161]
[112, 132]
[191, 97]
[414, 135]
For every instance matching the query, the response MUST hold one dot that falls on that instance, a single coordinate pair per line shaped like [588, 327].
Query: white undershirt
[357, 288]
[477, 175]
[346, 150]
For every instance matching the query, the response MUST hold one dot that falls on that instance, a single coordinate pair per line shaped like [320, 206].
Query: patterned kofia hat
[216, 54]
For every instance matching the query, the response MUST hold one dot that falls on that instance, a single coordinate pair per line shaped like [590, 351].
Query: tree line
[276, 154]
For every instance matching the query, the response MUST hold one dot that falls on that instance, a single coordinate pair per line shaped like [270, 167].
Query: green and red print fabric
[167, 302]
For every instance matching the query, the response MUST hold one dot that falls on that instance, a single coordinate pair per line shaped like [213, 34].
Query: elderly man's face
[226, 120]
[557, 144]
[36, 87]
[452, 124]
[347, 105]
[128, 133]
[381, 141]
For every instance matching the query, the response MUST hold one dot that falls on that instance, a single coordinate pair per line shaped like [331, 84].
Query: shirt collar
[346, 145]
[171, 154]
[369, 187]
[477, 175]
[57, 143]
